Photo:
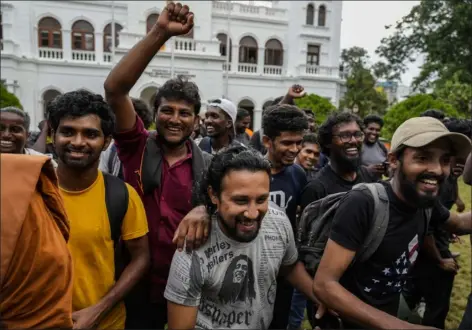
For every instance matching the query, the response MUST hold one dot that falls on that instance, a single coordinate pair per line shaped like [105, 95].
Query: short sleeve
[440, 214]
[352, 219]
[105, 159]
[185, 281]
[135, 222]
[291, 253]
[313, 191]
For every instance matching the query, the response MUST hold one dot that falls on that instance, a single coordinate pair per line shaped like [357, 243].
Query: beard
[345, 163]
[237, 235]
[89, 160]
[171, 144]
[410, 192]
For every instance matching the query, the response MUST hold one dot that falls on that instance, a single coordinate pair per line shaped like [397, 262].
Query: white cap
[228, 107]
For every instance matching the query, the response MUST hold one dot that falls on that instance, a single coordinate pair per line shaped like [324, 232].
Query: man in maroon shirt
[162, 166]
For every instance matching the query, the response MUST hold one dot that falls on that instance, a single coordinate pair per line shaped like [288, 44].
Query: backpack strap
[116, 200]
[380, 220]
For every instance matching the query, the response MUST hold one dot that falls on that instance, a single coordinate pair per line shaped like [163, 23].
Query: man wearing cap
[367, 294]
[220, 119]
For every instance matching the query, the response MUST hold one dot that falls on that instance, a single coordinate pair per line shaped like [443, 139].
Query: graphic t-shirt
[380, 280]
[285, 189]
[233, 283]
[91, 246]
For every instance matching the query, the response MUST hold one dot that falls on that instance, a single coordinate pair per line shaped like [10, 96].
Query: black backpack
[316, 220]
[116, 200]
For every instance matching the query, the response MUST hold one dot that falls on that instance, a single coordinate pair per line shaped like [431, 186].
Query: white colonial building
[52, 47]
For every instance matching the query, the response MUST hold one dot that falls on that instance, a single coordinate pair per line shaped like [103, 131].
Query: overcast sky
[363, 25]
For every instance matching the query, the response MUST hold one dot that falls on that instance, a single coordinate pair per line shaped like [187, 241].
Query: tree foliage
[439, 30]
[8, 99]
[361, 82]
[456, 93]
[413, 107]
[320, 106]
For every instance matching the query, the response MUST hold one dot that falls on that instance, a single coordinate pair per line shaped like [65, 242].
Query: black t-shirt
[285, 189]
[327, 182]
[379, 281]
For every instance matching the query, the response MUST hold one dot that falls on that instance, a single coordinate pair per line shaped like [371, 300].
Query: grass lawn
[463, 279]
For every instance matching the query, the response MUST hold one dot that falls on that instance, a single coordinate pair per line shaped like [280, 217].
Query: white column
[234, 58]
[67, 45]
[260, 60]
[98, 46]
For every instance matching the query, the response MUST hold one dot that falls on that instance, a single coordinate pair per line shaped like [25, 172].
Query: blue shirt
[285, 190]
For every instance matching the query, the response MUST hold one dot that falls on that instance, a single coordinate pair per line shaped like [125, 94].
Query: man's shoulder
[276, 216]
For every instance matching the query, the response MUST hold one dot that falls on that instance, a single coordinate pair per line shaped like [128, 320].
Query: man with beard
[243, 121]
[374, 153]
[220, 119]
[437, 265]
[163, 165]
[309, 155]
[250, 239]
[341, 138]
[82, 124]
[366, 295]
[14, 131]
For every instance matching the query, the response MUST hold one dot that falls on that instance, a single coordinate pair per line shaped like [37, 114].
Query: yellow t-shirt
[91, 246]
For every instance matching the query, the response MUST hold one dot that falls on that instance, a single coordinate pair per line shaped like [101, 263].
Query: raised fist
[296, 91]
[175, 20]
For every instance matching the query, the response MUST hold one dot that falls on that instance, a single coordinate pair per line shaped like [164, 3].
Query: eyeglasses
[347, 136]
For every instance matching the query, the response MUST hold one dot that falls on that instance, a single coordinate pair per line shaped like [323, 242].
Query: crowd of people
[202, 223]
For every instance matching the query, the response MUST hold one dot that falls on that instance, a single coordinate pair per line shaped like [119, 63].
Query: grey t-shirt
[234, 283]
[373, 154]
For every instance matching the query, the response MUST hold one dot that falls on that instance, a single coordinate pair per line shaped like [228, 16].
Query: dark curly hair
[463, 126]
[325, 131]
[242, 113]
[283, 118]
[143, 111]
[233, 159]
[80, 103]
[373, 119]
[310, 138]
[179, 89]
[438, 114]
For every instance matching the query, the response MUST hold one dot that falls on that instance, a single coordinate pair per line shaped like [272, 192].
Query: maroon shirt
[165, 207]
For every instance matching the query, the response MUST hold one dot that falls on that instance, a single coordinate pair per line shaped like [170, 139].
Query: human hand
[86, 318]
[175, 20]
[193, 229]
[460, 205]
[449, 265]
[296, 91]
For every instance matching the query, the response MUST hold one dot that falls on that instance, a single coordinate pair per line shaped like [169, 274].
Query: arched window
[274, 53]
[248, 50]
[322, 16]
[107, 41]
[83, 36]
[222, 37]
[48, 96]
[151, 21]
[310, 14]
[49, 33]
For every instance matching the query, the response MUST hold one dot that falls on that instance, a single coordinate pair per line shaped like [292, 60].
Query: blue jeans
[297, 310]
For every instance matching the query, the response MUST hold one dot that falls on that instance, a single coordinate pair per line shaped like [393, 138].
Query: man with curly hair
[82, 124]
[162, 165]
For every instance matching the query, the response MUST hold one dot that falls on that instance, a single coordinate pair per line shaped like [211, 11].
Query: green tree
[8, 99]
[361, 82]
[413, 107]
[320, 106]
[456, 93]
[438, 30]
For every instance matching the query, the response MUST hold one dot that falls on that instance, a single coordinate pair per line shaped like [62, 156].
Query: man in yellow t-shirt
[82, 124]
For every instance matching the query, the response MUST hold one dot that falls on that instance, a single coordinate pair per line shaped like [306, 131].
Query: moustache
[81, 150]
[242, 218]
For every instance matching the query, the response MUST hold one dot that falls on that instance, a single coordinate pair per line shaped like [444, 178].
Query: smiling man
[14, 131]
[230, 282]
[309, 155]
[374, 153]
[220, 120]
[366, 294]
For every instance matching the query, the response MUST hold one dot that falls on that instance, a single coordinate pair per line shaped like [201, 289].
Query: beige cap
[421, 131]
